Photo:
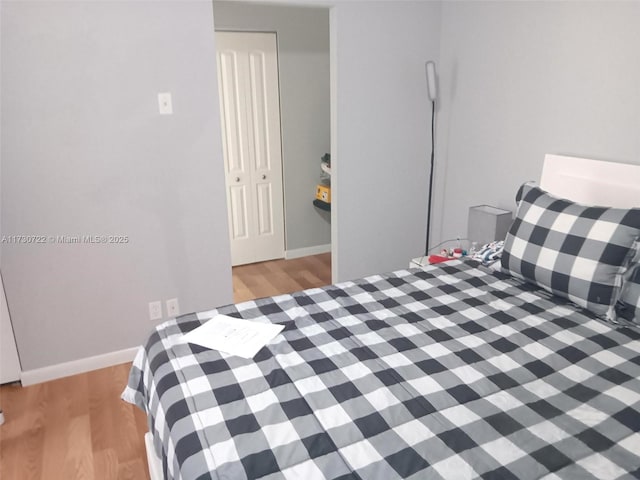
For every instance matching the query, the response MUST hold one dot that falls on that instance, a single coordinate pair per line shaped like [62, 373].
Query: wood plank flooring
[72, 428]
[77, 428]
[267, 279]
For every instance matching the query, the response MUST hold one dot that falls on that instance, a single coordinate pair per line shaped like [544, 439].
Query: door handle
[264, 177]
[237, 179]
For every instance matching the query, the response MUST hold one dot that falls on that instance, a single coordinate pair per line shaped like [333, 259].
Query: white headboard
[592, 182]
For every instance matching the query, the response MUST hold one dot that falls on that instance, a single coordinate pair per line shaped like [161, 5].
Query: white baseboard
[53, 372]
[305, 252]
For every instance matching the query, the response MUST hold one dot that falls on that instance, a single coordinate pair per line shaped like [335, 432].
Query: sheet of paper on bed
[235, 336]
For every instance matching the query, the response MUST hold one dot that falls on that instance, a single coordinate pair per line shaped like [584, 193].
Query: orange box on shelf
[323, 193]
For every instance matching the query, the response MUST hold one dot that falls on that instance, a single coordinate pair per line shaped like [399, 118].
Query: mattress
[448, 372]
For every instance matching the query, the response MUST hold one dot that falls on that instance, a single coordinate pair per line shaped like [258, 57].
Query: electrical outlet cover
[155, 310]
[173, 308]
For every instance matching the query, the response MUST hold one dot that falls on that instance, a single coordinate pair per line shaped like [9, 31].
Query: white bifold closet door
[250, 113]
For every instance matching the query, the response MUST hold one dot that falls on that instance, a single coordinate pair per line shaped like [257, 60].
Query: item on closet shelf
[323, 189]
[323, 193]
[325, 166]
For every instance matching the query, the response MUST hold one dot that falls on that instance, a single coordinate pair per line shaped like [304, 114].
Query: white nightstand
[419, 262]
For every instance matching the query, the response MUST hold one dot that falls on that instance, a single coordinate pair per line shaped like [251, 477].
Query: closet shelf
[322, 205]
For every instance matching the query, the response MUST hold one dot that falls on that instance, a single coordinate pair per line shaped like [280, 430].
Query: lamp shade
[487, 223]
[431, 81]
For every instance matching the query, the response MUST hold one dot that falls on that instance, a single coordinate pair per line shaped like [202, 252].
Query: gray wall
[521, 79]
[382, 136]
[84, 152]
[303, 56]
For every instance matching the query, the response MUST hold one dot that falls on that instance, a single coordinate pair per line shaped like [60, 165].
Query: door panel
[265, 207]
[231, 105]
[258, 110]
[239, 215]
[250, 112]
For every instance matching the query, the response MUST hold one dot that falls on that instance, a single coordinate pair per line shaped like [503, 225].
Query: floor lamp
[431, 88]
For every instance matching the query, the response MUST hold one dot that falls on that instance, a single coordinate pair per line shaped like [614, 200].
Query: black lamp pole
[431, 88]
[433, 115]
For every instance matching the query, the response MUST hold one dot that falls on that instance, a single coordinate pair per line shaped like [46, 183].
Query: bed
[451, 371]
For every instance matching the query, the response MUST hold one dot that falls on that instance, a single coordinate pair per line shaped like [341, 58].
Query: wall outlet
[155, 310]
[173, 309]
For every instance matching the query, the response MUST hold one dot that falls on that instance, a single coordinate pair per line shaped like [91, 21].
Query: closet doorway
[250, 115]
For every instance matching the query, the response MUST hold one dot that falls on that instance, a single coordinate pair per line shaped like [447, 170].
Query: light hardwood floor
[267, 279]
[77, 428]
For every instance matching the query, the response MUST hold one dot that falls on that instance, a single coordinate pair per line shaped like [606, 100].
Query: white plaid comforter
[451, 372]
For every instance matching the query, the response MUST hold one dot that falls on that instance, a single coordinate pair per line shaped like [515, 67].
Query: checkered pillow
[575, 251]
[628, 307]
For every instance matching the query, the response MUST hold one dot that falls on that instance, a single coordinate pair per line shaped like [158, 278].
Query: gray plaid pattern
[575, 251]
[628, 308]
[447, 372]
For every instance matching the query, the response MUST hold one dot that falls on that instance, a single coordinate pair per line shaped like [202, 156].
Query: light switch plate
[164, 103]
